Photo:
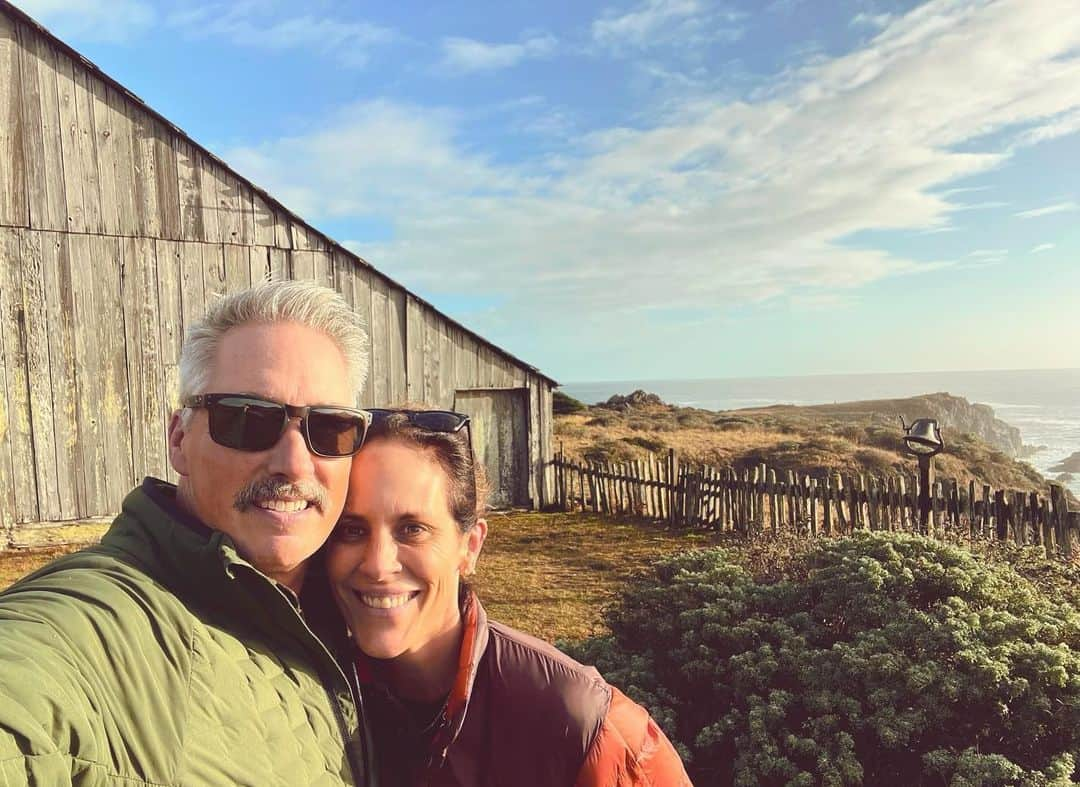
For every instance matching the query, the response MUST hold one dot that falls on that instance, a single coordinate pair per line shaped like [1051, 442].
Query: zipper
[366, 777]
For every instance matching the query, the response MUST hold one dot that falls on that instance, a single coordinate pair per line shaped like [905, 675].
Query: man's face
[278, 505]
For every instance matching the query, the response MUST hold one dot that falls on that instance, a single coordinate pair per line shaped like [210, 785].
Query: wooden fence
[760, 500]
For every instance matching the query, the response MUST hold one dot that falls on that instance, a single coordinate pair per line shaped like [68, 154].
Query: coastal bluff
[953, 413]
[845, 438]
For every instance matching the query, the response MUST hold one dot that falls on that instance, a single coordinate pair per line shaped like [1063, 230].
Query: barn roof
[78, 57]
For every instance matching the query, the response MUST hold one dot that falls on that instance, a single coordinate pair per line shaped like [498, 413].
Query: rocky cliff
[953, 413]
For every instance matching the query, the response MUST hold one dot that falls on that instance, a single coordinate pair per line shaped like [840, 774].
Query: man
[176, 651]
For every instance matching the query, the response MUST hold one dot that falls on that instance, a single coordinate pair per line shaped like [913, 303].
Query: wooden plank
[39, 376]
[258, 264]
[166, 181]
[414, 332]
[86, 144]
[432, 359]
[279, 264]
[214, 187]
[124, 162]
[282, 229]
[170, 321]
[247, 213]
[190, 191]
[213, 271]
[112, 384]
[42, 151]
[192, 291]
[90, 489]
[69, 145]
[146, 399]
[18, 426]
[303, 265]
[466, 364]
[105, 140]
[263, 218]
[397, 353]
[324, 268]
[7, 483]
[233, 218]
[444, 382]
[236, 267]
[534, 469]
[547, 490]
[14, 208]
[148, 218]
[377, 311]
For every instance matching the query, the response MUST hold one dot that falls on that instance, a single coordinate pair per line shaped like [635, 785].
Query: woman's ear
[474, 542]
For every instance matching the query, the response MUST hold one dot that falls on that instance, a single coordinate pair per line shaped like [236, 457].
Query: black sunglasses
[248, 423]
[445, 421]
[431, 420]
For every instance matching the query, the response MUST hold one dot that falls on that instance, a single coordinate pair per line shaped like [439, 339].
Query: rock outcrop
[1070, 464]
[638, 400]
[954, 414]
[957, 413]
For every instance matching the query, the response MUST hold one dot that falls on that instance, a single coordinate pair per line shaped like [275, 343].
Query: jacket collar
[154, 532]
[474, 641]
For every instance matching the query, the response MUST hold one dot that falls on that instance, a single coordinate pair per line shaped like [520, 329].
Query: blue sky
[651, 189]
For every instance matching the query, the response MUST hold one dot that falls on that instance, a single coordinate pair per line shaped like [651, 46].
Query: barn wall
[115, 231]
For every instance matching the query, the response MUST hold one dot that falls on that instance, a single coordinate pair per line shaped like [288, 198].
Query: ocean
[1043, 404]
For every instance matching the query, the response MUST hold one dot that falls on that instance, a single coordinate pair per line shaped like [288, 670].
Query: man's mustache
[276, 488]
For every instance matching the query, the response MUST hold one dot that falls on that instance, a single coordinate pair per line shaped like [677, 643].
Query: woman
[453, 698]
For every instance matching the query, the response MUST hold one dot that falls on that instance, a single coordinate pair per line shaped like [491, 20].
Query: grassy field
[547, 574]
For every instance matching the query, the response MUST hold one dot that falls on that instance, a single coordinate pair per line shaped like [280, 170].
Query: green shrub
[564, 404]
[896, 660]
[653, 445]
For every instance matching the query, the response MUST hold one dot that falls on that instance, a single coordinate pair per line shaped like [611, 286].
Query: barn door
[499, 423]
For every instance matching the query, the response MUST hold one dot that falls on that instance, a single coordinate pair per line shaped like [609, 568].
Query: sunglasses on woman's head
[431, 420]
[249, 423]
[445, 421]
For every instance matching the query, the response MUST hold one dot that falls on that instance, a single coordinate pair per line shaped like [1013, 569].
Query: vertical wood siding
[115, 232]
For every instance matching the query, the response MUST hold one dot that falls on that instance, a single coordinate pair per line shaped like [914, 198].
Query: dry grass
[547, 574]
[552, 574]
[17, 563]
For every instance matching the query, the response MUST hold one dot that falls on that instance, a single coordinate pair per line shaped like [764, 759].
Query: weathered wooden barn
[115, 230]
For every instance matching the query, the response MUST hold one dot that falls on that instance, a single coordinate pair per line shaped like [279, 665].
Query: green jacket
[160, 657]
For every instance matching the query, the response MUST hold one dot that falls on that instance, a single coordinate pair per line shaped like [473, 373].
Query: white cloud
[728, 202]
[878, 21]
[1041, 248]
[1048, 210]
[465, 55]
[112, 21]
[250, 24]
[658, 22]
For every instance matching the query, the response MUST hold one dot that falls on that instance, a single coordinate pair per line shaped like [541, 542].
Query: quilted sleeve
[43, 724]
[631, 751]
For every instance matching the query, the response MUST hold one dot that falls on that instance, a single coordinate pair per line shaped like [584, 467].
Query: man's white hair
[303, 302]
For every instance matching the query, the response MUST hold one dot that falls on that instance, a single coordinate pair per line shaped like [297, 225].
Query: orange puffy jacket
[520, 713]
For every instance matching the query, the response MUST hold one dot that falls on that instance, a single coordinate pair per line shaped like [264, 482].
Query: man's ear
[177, 432]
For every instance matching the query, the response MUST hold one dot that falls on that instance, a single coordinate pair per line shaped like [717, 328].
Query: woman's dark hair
[467, 485]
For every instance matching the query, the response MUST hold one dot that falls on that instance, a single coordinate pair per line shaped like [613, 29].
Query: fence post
[673, 491]
[971, 509]
[1059, 512]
